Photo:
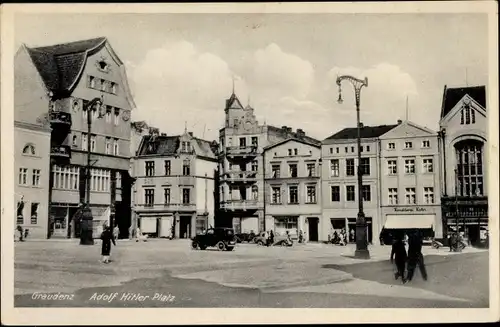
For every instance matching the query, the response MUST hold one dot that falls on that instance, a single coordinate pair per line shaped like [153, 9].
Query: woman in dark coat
[106, 237]
[398, 254]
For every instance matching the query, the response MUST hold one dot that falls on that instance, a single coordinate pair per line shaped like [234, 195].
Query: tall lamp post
[362, 251]
[86, 222]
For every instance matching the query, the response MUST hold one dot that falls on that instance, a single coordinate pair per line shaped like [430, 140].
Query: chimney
[163, 134]
[284, 128]
[289, 130]
[399, 121]
[300, 133]
[361, 125]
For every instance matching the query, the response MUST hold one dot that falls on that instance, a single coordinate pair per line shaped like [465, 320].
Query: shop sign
[410, 209]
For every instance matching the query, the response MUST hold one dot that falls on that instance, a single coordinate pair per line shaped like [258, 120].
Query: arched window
[29, 149]
[255, 192]
[470, 172]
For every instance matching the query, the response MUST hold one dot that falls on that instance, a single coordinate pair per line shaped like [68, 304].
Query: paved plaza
[164, 273]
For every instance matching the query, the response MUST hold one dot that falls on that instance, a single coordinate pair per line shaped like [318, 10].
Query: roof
[292, 135]
[316, 145]
[233, 102]
[169, 146]
[61, 65]
[366, 132]
[451, 96]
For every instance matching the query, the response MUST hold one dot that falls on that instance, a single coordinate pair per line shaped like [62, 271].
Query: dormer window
[103, 65]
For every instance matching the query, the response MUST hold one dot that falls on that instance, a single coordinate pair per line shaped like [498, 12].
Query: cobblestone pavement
[311, 275]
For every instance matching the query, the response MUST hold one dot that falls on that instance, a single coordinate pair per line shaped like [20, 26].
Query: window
[346, 150]
[186, 196]
[470, 168]
[94, 113]
[293, 194]
[367, 194]
[93, 143]
[108, 114]
[365, 166]
[337, 149]
[349, 167]
[65, 177]
[166, 196]
[331, 150]
[75, 141]
[108, 145]
[284, 224]
[20, 214]
[91, 82]
[29, 149]
[391, 146]
[334, 167]
[295, 152]
[84, 141]
[393, 196]
[255, 141]
[116, 149]
[255, 193]
[426, 144]
[311, 169]
[410, 195]
[36, 177]
[84, 110]
[468, 115]
[149, 197]
[352, 149]
[289, 152]
[408, 145]
[168, 167]
[103, 85]
[113, 87]
[102, 65]
[255, 165]
[34, 213]
[427, 165]
[311, 194]
[367, 148]
[350, 193]
[361, 149]
[100, 180]
[117, 116]
[235, 123]
[293, 170]
[428, 195]
[409, 166]
[335, 193]
[150, 168]
[23, 176]
[276, 191]
[243, 142]
[275, 171]
[392, 167]
[186, 168]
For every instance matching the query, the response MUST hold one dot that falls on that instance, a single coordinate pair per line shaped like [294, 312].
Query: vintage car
[221, 238]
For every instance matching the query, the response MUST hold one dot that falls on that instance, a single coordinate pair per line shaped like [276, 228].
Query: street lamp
[86, 221]
[362, 251]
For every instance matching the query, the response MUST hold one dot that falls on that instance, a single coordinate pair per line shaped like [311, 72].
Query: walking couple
[414, 256]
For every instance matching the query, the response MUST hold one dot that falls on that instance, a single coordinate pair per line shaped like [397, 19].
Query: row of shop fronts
[172, 224]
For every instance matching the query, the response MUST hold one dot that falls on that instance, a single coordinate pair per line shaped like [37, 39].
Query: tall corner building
[242, 171]
[54, 84]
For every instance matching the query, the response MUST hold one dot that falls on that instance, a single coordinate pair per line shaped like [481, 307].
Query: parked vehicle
[221, 238]
[245, 237]
[260, 239]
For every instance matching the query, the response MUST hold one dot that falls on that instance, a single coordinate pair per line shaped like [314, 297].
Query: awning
[409, 221]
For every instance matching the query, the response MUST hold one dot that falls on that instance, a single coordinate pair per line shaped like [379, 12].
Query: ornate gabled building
[55, 83]
[174, 188]
[242, 141]
[463, 136]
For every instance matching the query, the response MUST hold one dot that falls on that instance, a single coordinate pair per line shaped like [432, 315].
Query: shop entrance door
[185, 227]
[313, 229]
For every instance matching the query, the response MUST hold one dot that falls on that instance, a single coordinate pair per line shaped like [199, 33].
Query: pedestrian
[130, 233]
[301, 236]
[116, 232]
[271, 237]
[107, 238]
[305, 238]
[398, 254]
[353, 238]
[415, 256]
[20, 233]
[335, 237]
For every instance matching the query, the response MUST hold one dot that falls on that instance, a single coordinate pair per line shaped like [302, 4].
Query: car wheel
[260, 243]
[221, 246]
[230, 248]
[194, 245]
[202, 247]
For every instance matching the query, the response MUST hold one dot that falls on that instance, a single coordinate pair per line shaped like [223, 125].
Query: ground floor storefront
[426, 218]
[64, 220]
[308, 224]
[345, 220]
[172, 224]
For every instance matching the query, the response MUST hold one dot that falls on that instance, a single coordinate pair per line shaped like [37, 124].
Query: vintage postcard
[250, 163]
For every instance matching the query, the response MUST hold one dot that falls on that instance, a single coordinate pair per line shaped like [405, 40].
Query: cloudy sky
[181, 66]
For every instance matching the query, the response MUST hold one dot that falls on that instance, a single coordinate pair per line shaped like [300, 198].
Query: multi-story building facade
[31, 162]
[410, 178]
[242, 142]
[56, 83]
[292, 201]
[339, 180]
[463, 137]
[174, 187]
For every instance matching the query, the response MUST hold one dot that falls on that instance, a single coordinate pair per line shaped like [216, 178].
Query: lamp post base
[362, 254]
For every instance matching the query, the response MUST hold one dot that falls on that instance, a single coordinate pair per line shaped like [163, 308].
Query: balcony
[240, 205]
[170, 207]
[60, 119]
[246, 151]
[60, 151]
[240, 177]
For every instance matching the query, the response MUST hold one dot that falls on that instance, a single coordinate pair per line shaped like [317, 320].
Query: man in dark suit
[415, 257]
